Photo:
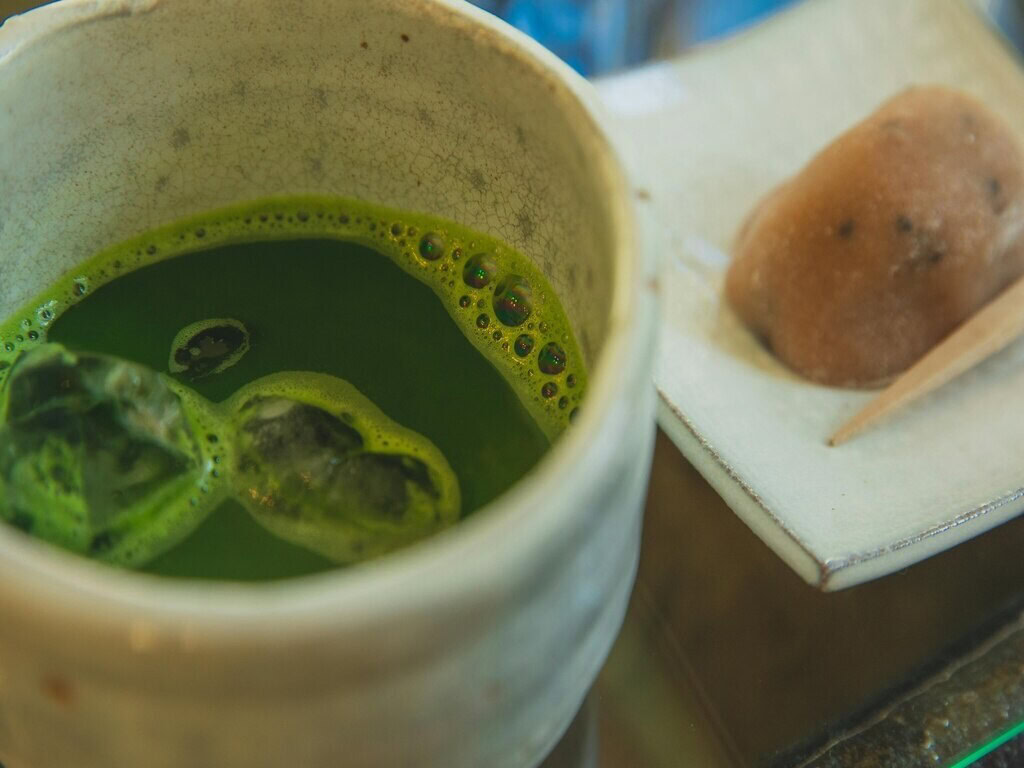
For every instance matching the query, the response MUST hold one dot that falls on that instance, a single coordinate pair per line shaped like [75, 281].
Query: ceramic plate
[708, 135]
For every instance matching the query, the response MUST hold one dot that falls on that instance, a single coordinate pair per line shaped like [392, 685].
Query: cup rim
[500, 544]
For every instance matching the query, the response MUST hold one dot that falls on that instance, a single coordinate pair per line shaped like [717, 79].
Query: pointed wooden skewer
[986, 332]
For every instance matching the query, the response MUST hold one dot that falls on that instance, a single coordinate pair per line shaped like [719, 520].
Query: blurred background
[600, 36]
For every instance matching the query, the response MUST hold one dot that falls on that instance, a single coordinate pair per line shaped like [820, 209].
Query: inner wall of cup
[120, 124]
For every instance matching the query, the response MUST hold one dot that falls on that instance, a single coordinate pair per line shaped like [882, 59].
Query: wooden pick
[983, 334]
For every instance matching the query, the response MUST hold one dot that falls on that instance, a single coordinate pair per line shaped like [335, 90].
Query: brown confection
[890, 237]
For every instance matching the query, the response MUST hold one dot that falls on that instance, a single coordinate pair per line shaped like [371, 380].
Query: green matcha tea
[279, 389]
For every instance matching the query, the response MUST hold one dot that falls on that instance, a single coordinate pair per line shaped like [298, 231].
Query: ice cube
[100, 455]
[318, 464]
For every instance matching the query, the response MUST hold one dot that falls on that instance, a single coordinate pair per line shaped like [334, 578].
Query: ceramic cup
[472, 649]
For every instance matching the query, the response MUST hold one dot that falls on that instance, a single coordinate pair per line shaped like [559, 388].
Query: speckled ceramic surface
[472, 649]
[709, 135]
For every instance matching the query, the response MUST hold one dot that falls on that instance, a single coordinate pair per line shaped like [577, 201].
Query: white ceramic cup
[471, 650]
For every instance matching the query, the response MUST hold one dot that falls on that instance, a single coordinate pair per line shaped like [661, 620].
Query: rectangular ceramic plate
[710, 134]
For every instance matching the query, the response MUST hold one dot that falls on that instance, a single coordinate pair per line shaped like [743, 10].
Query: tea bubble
[465, 301]
[563, 402]
[482, 321]
[524, 345]
[480, 270]
[549, 390]
[45, 313]
[207, 347]
[551, 359]
[432, 246]
[513, 300]
[570, 380]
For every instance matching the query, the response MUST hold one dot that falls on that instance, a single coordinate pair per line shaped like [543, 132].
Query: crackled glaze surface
[182, 116]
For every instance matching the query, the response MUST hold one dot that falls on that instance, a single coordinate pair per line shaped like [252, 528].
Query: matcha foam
[498, 298]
